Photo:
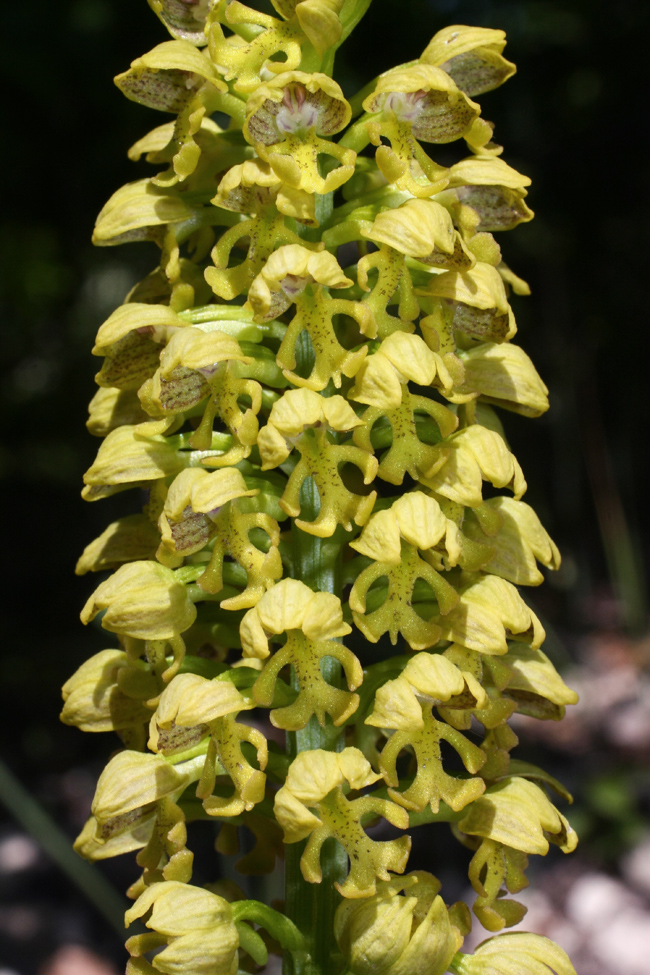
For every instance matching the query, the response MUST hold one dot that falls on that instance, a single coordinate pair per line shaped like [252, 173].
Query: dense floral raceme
[304, 400]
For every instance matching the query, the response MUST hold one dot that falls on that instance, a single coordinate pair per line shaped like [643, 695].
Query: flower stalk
[308, 388]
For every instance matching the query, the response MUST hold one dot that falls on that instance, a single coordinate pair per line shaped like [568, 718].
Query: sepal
[142, 600]
[471, 56]
[196, 926]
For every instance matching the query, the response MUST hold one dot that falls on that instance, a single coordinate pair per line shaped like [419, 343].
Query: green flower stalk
[304, 389]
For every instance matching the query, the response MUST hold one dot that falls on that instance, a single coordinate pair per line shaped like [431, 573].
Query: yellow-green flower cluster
[303, 390]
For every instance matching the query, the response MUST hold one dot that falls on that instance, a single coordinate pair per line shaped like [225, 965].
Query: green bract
[314, 430]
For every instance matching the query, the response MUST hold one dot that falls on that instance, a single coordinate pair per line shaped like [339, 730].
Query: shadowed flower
[471, 56]
[489, 609]
[501, 374]
[183, 20]
[473, 302]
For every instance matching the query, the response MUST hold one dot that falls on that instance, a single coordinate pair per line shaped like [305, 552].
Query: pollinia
[306, 391]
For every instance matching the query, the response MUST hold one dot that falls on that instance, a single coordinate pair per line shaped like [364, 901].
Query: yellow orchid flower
[295, 274]
[293, 413]
[189, 709]
[400, 357]
[225, 751]
[252, 185]
[285, 121]
[132, 782]
[488, 610]
[130, 343]
[417, 104]
[130, 455]
[190, 703]
[312, 622]
[186, 22]
[93, 700]
[168, 76]
[232, 537]
[305, 22]
[177, 77]
[415, 517]
[422, 229]
[139, 211]
[143, 600]
[535, 685]
[501, 374]
[291, 605]
[518, 539]
[405, 704]
[391, 935]
[315, 782]
[513, 815]
[111, 408]
[195, 926]
[266, 231]
[135, 801]
[392, 539]
[471, 56]
[192, 505]
[475, 454]
[130, 539]
[393, 286]
[520, 952]
[301, 416]
[408, 452]
[472, 302]
[191, 365]
[135, 836]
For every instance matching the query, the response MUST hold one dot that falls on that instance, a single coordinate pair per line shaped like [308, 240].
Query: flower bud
[520, 952]
[196, 925]
[392, 935]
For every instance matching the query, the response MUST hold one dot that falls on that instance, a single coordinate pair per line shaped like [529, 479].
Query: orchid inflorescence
[304, 389]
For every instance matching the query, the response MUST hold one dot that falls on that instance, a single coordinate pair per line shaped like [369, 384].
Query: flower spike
[306, 391]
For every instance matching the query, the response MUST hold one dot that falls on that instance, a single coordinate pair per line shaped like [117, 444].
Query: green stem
[279, 927]
[316, 562]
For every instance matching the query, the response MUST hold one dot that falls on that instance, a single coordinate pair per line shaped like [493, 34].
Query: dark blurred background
[574, 119]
